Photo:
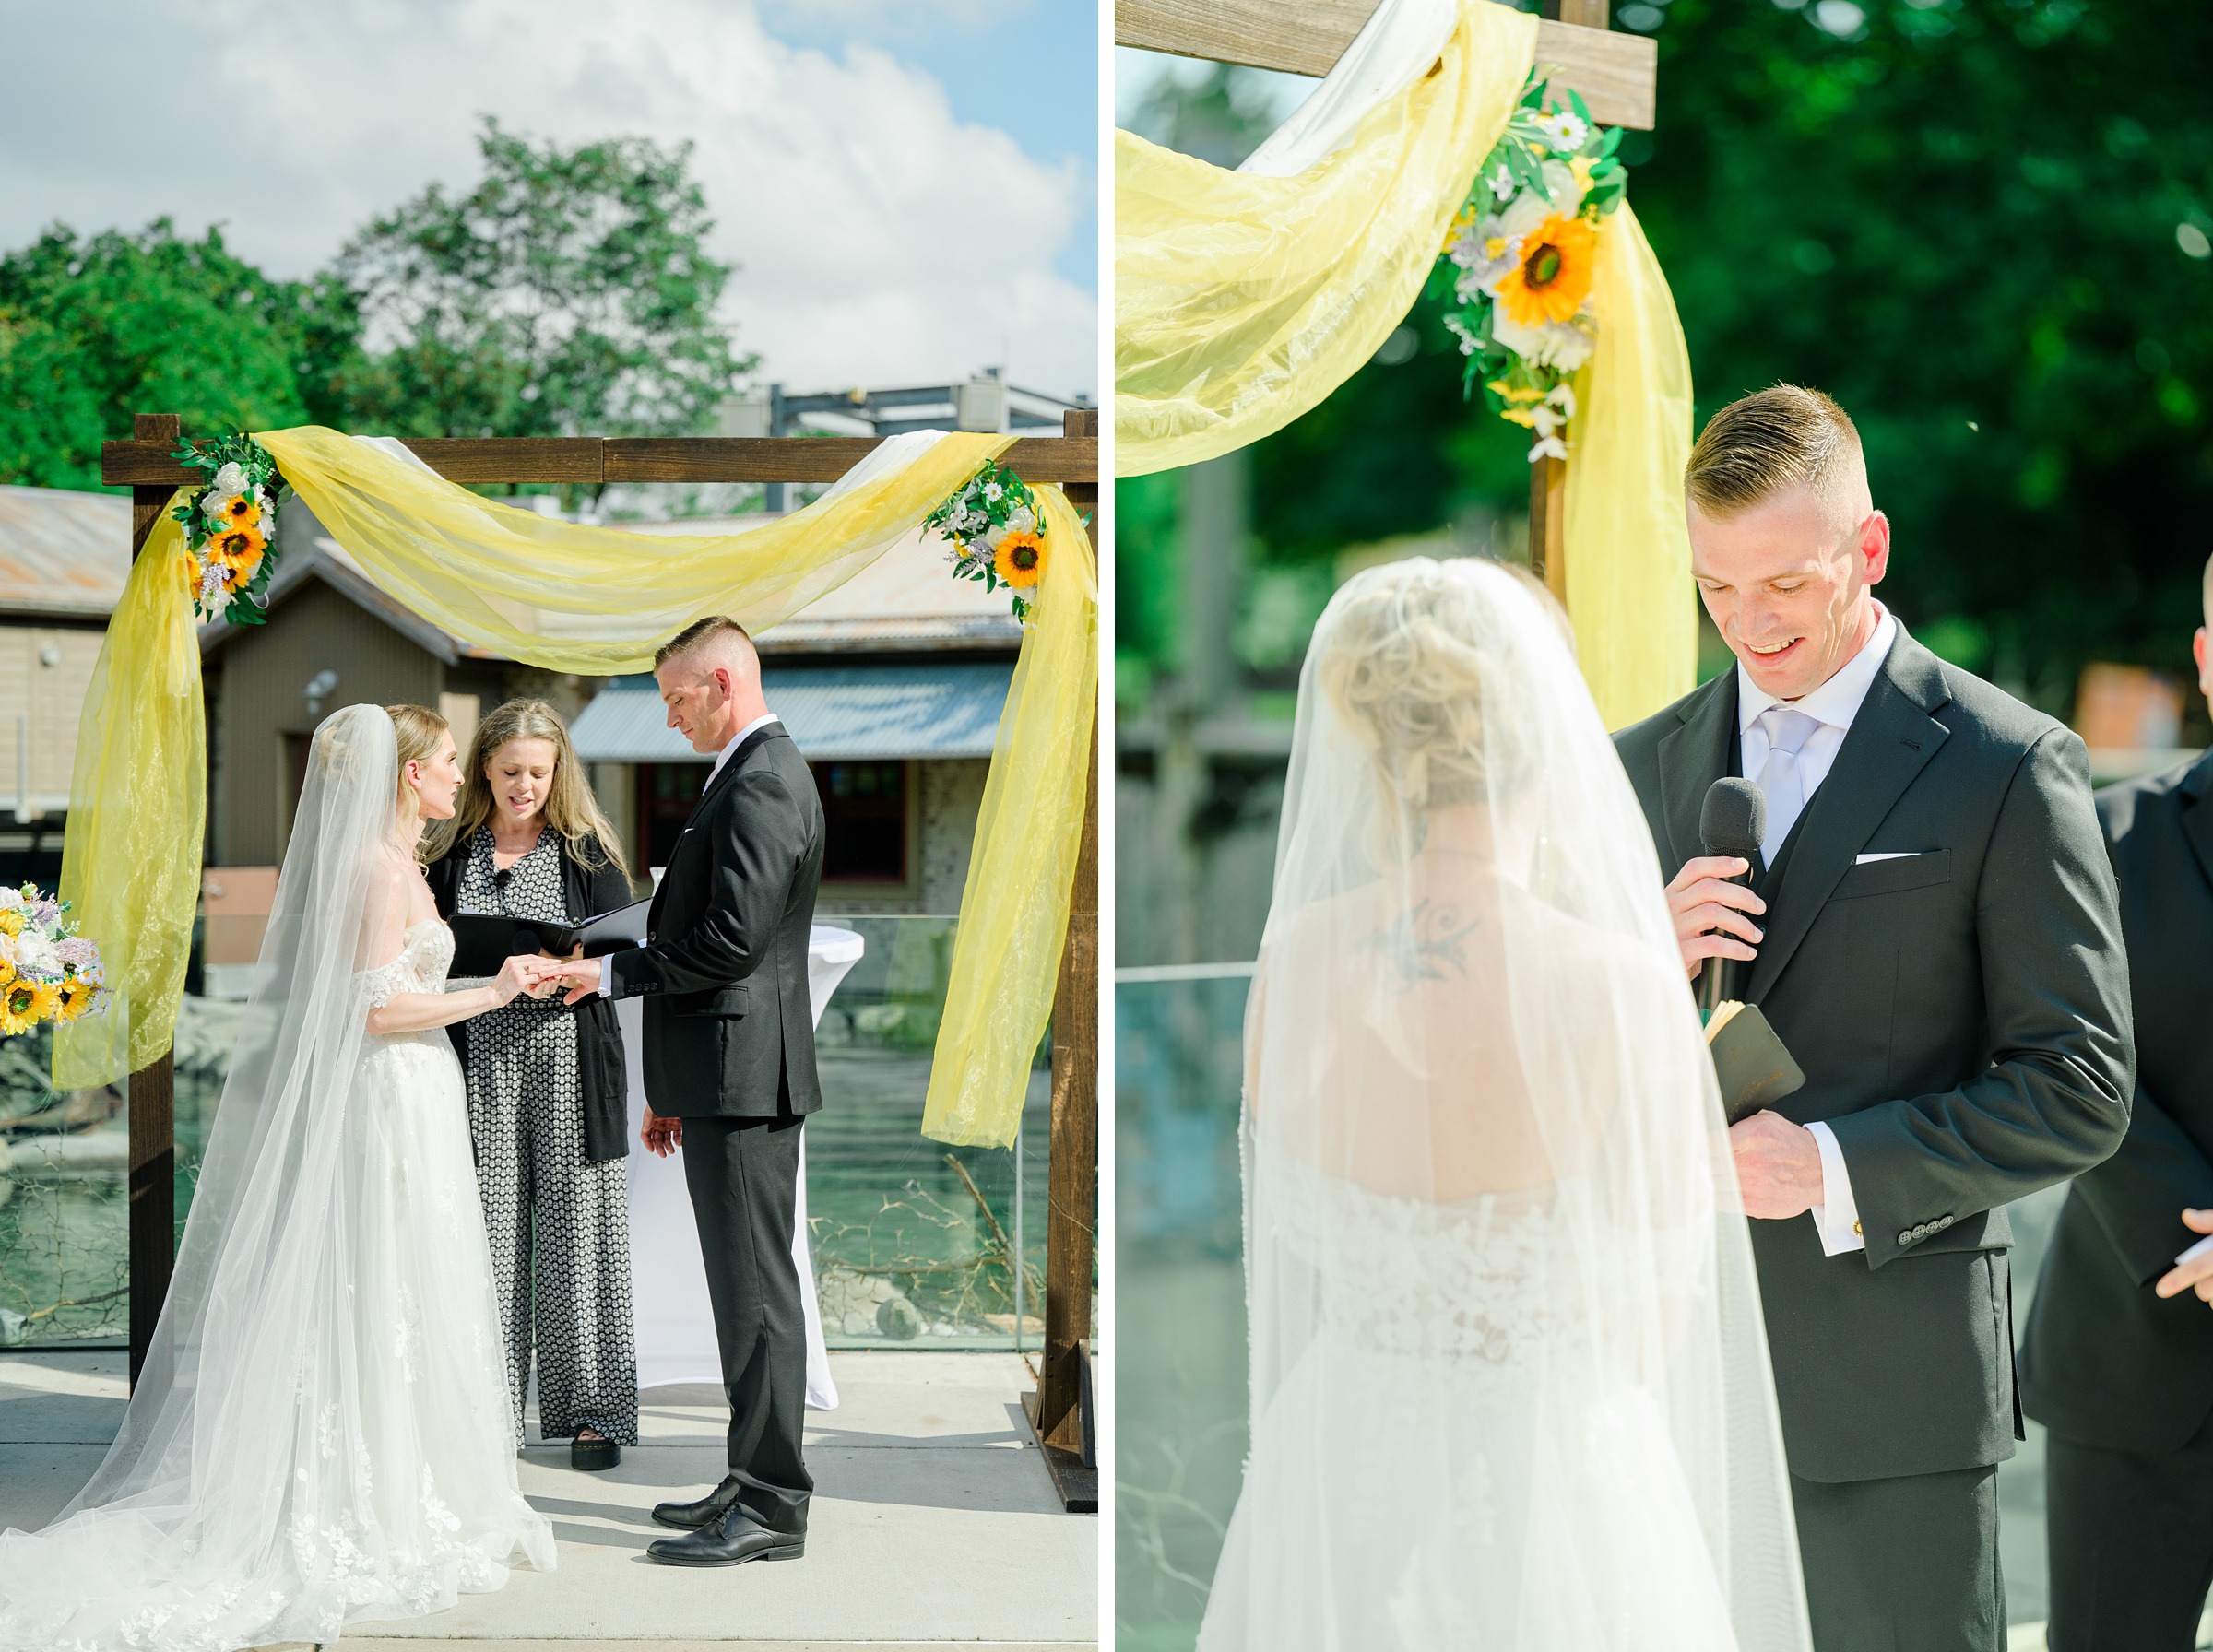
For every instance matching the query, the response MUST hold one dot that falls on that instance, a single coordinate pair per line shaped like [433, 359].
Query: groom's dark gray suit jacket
[1963, 1016]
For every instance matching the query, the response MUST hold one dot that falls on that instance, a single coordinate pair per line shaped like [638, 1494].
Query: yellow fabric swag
[1242, 301]
[590, 600]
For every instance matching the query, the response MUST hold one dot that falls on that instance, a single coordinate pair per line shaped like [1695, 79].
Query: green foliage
[93, 329]
[569, 292]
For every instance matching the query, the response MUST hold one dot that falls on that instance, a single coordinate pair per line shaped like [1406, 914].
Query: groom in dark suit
[2118, 1362]
[1935, 938]
[730, 1075]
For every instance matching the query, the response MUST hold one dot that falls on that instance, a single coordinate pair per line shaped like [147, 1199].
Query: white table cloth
[669, 1281]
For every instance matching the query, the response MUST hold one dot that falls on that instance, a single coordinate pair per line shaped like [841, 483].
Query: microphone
[1733, 822]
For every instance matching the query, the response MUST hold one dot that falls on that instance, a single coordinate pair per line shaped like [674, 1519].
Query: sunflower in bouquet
[48, 971]
[230, 526]
[997, 532]
[1520, 258]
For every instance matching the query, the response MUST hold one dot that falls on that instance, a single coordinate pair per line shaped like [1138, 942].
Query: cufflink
[1858, 1232]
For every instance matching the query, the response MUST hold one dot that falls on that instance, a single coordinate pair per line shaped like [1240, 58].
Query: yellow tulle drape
[138, 807]
[594, 601]
[1242, 301]
[1014, 908]
[1628, 549]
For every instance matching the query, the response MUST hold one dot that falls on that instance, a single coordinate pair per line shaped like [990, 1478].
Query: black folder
[1753, 1069]
[483, 941]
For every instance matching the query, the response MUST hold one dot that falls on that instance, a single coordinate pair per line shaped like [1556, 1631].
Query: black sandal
[594, 1453]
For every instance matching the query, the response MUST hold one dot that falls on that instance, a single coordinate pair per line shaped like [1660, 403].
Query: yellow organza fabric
[1014, 908]
[593, 601]
[1241, 301]
[1628, 549]
[138, 807]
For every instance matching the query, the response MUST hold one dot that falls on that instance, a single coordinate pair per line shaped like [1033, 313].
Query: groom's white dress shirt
[607, 974]
[1832, 707]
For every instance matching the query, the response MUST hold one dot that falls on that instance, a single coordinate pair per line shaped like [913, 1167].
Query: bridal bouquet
[1519, 259]
[230, 526]
[48, 971]
[997, 532]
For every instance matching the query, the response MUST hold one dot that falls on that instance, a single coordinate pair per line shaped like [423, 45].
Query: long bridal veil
[1510, 1385]
[253, 1430]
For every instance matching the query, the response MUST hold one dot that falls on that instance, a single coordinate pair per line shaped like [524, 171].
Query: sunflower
[72, 998]
[240, 511]
[7, 971]
[240, 546]
[1020, 557]
[11, 920]
[1553, 279]
[23, 1004]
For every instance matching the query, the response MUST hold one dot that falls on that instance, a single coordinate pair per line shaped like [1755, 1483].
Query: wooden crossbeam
[1618, 75]
[592, 460]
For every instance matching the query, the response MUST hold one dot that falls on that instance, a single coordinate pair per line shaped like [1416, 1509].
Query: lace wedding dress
[1509, 1385]
[322, 1434]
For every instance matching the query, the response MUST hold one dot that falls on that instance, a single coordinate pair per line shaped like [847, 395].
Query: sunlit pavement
[934, 1518]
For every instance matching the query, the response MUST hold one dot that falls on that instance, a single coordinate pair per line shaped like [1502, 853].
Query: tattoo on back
[1421, 945]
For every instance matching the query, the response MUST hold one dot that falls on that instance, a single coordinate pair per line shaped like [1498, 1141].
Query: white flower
[1547, 420]
[1485, 254]
[1561, 184]
[992, 491]
[9, 897]
[1565, 345]
[1551, 447]
[1502, 182]
[229, 481]
[1022, 520]
[36, 957]
[1527, 210]
[1461, 331]
[1563, 129]
[1562, 397]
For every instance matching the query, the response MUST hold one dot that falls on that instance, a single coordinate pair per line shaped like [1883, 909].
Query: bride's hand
[518, 975]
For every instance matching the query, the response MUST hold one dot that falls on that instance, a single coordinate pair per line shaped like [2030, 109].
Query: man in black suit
[1934, 939]
[2118, 1362]
[729, 1071]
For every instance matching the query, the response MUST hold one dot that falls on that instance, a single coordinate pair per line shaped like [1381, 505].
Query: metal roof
[841, 711]
[63, 552]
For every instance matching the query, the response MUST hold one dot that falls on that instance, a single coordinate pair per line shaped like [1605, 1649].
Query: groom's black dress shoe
[691, 1517]
[732, 1541]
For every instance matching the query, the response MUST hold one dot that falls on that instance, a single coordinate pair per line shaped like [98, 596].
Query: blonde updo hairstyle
[416, 732]
[1418, 662]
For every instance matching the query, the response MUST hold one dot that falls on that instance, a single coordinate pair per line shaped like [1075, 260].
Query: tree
[569, 292]
[92, 329]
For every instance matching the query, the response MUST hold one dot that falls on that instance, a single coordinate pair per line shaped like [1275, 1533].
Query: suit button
[1907, 1237]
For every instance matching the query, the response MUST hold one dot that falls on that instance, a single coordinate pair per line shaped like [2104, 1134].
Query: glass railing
[914, 1241]
[64, 1204]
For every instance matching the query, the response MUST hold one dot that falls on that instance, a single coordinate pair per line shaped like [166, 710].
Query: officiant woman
[548, 1094]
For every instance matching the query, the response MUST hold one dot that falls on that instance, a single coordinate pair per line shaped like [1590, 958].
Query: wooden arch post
[147, 465]
[1617, 76]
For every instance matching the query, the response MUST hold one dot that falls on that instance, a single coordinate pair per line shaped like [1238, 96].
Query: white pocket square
[1862, 860]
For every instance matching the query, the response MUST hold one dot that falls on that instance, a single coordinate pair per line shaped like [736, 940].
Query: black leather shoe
[691, 1517]
[594, 1454]
[729, 1541]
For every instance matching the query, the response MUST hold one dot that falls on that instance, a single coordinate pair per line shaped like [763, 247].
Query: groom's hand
[661, 1135]
[582, 974]
[1709, 914]
[1777, 1166]
[2196, 1274]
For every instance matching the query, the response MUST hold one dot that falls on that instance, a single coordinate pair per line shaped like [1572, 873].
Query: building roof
[61, 552]
[878, 711]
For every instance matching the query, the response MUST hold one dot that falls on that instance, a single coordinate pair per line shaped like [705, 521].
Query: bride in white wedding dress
[1510, 1385]
[320, 1434]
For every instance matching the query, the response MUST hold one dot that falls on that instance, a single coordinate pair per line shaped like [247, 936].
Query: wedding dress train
[322, 1434]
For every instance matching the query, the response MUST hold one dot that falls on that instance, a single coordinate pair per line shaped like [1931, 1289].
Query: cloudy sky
[910, 186]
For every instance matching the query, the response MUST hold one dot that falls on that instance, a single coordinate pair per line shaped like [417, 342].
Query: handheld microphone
[1733, 822]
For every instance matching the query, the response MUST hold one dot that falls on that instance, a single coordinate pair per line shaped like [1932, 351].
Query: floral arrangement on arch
[230, 526]
[997, 532]
[48, 971]
[1519, 260]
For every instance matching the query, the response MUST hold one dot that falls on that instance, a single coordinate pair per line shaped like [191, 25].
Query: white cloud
[844, 185]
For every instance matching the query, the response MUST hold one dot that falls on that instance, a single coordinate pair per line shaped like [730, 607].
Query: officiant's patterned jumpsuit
[559, 1223]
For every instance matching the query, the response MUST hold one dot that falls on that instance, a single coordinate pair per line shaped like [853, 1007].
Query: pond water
[913, 1239]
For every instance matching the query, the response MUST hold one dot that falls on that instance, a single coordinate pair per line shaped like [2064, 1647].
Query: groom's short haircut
[700, 632]
[1761, 444]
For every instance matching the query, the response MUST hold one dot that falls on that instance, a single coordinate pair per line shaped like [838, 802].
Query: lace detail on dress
[1485, 1279]
[426, 952]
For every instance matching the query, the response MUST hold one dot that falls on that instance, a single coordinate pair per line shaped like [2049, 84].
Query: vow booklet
[1754, 1069]
[484, 941]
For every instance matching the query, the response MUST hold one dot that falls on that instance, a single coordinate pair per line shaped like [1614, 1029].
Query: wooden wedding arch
[1059, 1409]
[1616, 73]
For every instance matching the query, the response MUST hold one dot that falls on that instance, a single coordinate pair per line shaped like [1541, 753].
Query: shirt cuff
[606, 975]
[1837, 1218]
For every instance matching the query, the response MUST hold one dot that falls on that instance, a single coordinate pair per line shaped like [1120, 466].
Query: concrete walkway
[933, 1519]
